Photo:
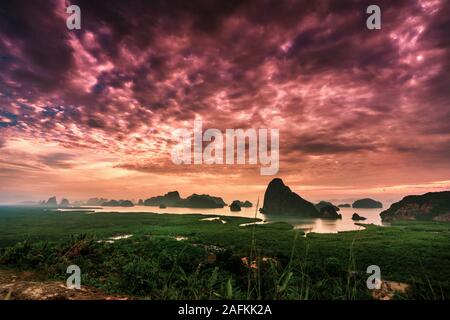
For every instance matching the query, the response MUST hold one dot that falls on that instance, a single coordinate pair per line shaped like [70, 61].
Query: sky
[90, 113]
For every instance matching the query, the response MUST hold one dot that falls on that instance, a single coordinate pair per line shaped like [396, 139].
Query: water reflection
[308, 225]
[333, 226]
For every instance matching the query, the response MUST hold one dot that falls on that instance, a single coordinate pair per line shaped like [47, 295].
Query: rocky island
[201, 201]
[96, 201]
[169, 199]
[53, 203]
[173, 199]
[367, 203]
[329, 212]
[429, 206]
[118, 203]
[280, 200]
[357, 217]
[245, 204]
[64, 203]
[323, 204]
[235, 205]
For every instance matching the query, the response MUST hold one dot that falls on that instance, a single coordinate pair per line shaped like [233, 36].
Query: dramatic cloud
[91, 112]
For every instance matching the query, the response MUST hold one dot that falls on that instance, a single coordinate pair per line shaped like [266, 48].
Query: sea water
[308, 225]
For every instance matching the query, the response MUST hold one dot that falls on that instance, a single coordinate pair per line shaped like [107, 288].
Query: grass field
[183, 257]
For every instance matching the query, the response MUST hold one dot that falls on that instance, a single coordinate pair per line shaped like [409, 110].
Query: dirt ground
[27, 286]
[388, 290]
[16, 285]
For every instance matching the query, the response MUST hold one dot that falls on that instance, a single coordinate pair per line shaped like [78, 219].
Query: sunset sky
[91, 112]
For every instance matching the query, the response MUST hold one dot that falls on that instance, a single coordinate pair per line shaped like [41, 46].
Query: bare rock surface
[26, 286]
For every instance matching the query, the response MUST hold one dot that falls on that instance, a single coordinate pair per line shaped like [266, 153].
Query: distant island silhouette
[118, 203]
[173, 199]
[280, 200]
[367, 203]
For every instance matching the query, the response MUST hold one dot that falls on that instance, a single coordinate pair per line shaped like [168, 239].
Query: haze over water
[308, 225]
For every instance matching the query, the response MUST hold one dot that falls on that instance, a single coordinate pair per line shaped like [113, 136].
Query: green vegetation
[428, 206]
[183, 257]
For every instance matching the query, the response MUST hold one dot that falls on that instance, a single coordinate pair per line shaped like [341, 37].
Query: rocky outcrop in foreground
[280, 200]
[27, 286]
[367, 203]
[389, 289]
[429, 206]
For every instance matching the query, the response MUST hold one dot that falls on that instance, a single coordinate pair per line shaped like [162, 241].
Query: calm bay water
[308, 225]
[333, 226]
